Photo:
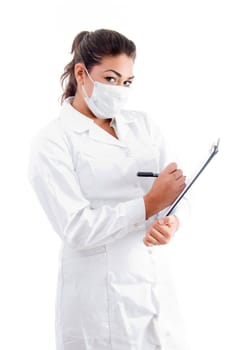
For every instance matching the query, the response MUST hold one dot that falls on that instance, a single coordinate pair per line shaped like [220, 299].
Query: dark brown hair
[89, 48]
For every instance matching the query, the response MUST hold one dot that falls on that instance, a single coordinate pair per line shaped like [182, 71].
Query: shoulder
[56, 130]
[49, 138]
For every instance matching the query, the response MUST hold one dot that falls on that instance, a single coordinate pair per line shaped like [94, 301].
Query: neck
[79, 104]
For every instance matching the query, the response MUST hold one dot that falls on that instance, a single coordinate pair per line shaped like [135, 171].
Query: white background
[184, 78]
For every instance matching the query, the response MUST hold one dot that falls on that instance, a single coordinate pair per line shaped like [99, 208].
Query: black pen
[147, 174]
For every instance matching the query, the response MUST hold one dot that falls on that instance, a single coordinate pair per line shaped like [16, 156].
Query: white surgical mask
[106, 100]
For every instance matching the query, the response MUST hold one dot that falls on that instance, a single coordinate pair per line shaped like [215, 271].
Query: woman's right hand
[165, 189]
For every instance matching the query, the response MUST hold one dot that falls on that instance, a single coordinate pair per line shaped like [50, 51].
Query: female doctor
[83, 167]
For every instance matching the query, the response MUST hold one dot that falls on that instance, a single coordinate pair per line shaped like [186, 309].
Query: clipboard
[213, 152]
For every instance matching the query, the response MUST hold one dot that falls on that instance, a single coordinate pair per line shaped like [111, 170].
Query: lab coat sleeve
[56, 185]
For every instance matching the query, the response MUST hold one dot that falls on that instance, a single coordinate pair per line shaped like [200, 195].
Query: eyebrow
[117, 73]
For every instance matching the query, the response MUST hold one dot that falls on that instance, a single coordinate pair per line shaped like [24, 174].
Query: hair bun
[77, 41]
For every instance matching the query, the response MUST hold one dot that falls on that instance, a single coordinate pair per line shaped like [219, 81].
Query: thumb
[167, 220]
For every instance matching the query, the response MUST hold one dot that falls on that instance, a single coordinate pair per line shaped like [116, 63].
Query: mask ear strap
[88, 75]
[84, 91]
[83, 88]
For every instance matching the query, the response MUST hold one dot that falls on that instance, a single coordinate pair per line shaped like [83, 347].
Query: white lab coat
[113, 292]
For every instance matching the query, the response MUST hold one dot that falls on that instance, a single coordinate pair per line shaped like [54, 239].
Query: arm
[56, 184]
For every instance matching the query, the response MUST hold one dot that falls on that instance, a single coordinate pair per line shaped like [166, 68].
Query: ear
[79, 72]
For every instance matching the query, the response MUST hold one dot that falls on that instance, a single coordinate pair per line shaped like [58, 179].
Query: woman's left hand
[161, 231]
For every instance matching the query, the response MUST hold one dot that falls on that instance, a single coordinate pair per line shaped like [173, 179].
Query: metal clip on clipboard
[213, 152]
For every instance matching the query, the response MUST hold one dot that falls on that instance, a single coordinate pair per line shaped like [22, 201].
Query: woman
[83, 168]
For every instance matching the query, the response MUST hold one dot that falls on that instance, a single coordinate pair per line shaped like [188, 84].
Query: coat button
[150, 251]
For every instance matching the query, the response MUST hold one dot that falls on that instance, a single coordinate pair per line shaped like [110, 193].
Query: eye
[127, 83]
[110, 80]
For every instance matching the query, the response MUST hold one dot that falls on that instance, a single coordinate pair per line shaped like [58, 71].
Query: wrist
[151, 207]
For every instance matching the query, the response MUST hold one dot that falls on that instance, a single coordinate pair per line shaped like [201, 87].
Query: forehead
[120, 63]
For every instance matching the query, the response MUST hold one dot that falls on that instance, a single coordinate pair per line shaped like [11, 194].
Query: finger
[162, 226]
[169, 220]
[172, 220]
[171, 167]
[167, 232]
[182, 184]
[177, 174]
[150, 241]
[159, 236]
[162, 221]
[161, 233]
[181, 179]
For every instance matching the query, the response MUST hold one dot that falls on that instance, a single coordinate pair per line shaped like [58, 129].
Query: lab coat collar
[76, 121]
[73, 119]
